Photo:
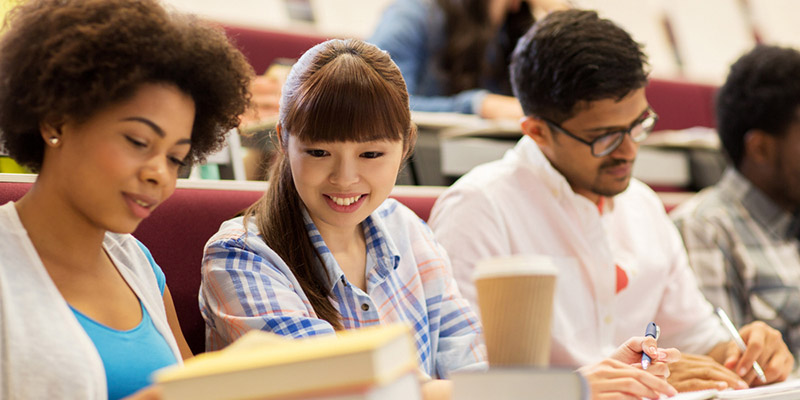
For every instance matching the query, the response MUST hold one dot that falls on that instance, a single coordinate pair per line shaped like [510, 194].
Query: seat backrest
[12, 191]
[682, 105]
[262, 47]
[176, 233]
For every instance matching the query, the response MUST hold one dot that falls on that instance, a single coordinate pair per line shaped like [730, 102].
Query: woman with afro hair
[107, 100]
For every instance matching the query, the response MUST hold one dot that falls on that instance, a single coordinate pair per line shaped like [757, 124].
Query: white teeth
[141, 203]
[346, 201]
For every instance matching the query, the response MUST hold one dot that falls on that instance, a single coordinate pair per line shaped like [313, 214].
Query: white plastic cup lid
[517, 265]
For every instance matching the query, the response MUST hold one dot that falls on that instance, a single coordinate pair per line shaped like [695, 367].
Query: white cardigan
[44, 351]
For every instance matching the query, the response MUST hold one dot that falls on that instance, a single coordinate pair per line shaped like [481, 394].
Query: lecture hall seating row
[680, 105]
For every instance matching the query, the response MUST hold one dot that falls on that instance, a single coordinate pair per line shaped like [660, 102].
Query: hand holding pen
[653, 332]
[632, 352]
[726, 322]
[759, 342]
[622, 374]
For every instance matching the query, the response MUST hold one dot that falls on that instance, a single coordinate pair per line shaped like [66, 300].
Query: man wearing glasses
[566, 191]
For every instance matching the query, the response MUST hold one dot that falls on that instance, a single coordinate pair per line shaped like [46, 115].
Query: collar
[773, 219]
[529, 153]
[382, 254]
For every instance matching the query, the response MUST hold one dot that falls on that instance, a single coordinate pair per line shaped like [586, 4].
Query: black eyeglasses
[605, 144]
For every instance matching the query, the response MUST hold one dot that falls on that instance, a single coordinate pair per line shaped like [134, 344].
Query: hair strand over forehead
[345, 90]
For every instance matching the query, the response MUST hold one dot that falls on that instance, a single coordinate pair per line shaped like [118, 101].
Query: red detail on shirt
[600, 203]
[622, 279]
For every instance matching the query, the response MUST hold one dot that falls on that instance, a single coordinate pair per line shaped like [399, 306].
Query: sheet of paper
[789, 388]
[698, 395]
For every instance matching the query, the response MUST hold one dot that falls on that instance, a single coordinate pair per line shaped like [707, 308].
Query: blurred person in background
[742, 233]
[454, 54]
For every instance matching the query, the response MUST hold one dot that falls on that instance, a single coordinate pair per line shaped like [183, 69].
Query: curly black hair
[67, 59]
[762, 92]
[574, 56]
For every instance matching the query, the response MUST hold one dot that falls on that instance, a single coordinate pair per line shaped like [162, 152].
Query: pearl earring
[53, 140]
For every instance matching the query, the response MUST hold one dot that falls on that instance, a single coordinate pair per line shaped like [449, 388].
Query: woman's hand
[497, 106]
[437, 389]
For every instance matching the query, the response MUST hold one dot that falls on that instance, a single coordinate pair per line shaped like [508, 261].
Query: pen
[739, 342]
[652, 331]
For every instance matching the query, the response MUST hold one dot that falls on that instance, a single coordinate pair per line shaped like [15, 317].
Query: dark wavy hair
[339, 90]
[574, 56]
[67, 59]
[470, 37]
[762, 92]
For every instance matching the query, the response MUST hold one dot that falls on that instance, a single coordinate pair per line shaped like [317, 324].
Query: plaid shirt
[744, 250]
[408, 277]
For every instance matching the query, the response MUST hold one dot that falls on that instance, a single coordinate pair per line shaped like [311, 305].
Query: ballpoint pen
[739, 342]
[652, 331]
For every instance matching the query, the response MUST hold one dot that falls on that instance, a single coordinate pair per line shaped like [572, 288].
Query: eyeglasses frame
[650, 115]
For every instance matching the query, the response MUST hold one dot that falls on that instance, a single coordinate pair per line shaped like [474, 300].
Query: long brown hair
[470, 36]
[339, 90]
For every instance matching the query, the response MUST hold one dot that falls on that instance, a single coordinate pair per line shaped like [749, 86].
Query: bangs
[347, 100]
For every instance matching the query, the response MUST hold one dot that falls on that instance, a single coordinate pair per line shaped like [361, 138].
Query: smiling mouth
[345, 201]
[142, 203]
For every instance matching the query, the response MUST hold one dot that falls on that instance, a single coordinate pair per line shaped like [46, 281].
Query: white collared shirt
[522, 205]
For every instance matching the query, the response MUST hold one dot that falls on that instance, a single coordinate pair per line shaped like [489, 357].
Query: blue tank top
[129, 357]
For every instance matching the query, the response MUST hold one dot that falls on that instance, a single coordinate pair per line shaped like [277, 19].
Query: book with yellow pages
[369, 363]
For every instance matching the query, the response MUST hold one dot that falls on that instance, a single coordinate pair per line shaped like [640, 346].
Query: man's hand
[696, 372]
[631, 353]
[613, 379]
[621, 376]
[765, 345]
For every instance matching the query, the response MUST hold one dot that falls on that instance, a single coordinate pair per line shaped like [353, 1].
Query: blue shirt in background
[413, 33]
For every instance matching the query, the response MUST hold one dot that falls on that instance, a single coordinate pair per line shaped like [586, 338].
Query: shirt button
[608, 319]
[365, 307]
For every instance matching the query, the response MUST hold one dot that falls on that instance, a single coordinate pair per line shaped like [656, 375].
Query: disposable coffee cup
[515, 297]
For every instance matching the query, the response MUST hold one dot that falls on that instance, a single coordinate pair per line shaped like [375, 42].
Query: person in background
[106, 100]
[566, 191]
[454, 54]
[326, 250]
[742, 233]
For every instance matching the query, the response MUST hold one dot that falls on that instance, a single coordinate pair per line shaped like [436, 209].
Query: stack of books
[370, 363]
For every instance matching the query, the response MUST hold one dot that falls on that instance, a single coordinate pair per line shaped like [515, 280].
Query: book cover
[263, 365]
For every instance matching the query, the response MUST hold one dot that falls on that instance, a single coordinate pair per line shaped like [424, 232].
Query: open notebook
[789, 389]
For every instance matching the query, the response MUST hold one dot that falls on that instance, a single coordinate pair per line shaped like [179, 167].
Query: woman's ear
[51, 133]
